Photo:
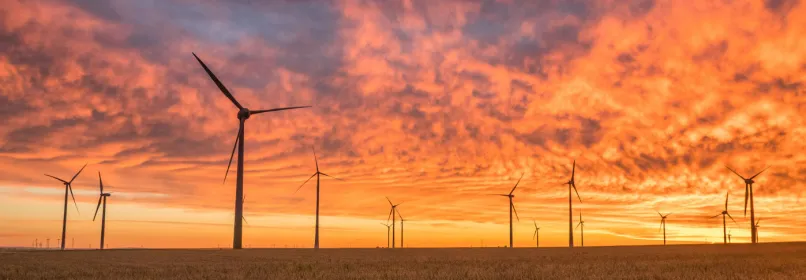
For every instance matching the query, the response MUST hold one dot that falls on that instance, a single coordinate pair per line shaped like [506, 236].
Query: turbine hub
[244, 113]
[749, 181]
[106, 194]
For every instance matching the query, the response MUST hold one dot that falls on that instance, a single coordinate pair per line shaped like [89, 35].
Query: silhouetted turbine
[101, 199]
[317, 173]
[392, 216]
[401, 228]
[663, 225]
[748, 192]
[388, 228]
[582, 225]
[536, 236]
[724, 222]
[68, 187]
[512, 208]
[571, 185]
[243, 115]
[756, 229]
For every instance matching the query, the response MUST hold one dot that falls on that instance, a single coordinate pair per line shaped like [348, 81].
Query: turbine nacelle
[749, 181]
[106, 194]
[244, 113]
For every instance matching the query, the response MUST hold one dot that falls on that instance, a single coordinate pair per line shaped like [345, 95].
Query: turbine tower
[663, 225]
[571, 185]
[512, 208]
[68, 187]
[748, 192]
[582, 225]
[724, 222]
[101, 199]
[536, 236]
[317, 174]
[243, 114]
[392, 216]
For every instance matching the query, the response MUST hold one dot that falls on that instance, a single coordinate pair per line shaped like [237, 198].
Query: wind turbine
[512, 208]
[748, 192]
[68, 187]
[317, 173]
[392, 215]
[724, 223]
[102, 197]
[582, 225]
[536, 236]
[756, 229]
[401, 228]
[243, 115]
[663, 225]
[729, 234]
[571, 185]
[388, 228]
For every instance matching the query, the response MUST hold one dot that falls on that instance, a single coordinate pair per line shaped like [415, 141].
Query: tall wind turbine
[512, 208]
[101, 198]
[582, 225]
[388, 228]
[392, 215]
[536, 236]
[748, 192]
[724, 222]
[663, 225]
[68, 187]
[317, 173]
[401, 228]
[571, 185]
[243, 115]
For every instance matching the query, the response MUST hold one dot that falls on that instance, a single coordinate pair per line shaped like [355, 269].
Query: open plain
[736, 261]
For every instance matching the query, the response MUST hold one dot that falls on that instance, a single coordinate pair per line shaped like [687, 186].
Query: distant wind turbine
[401, 228]
[392, 216]
[756, 229]
[748, 192]
[571, 185]
[512, 208]
[68, 187]
[101, 199]
[388, 228]
[581, 226]
[243, 114]
[317, 173]
[724, 222]
[729, 234]
[663, 225]
[536, 236]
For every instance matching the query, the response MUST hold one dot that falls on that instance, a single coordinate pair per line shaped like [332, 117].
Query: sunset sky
[435, 104]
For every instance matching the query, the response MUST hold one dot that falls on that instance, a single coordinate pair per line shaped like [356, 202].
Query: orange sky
[435, 104]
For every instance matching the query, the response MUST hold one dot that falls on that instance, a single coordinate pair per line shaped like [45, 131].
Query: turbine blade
[398, 214]
[390, 215]
[390, 202]
[303, 184]
[315, 160]
[535, 234]
[70, 187]
[577, 192]
[516, 184]
[278, 109]
[573, 170]
[533, 221]
[726, 200]
[97, 207]
[232, 155]
[516, 211]
[579, 224]
[332, 177]
[54, 177]
[716, 216]
[734, 172]
[746, 193]
[101, 182]
[659, 214]
[731, 218]
[218, 83]
[244, 220]
[661, 225]
[759, 173]
[79, 172]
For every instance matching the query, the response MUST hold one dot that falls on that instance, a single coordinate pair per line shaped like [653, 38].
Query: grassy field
[745, 261]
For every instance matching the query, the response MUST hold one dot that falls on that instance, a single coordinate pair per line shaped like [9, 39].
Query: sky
[433, 104]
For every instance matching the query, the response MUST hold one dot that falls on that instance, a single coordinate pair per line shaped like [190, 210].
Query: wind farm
[435, 108]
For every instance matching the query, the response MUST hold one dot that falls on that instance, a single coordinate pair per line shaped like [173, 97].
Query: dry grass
[764, 261]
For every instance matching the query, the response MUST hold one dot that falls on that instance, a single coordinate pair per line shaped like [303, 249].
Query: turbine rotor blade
[390, 202]
[332, 177]
[516, 211]
[579, 224]
[97, 207]
[244, 220]
[303, 184]
[577, 192]
[54, 177]
[715, 216]
[101, 182]
[70, 187]
[232, 155]
[516, 184]
[573, 170]
[390, 215]
[759, 173]
[218, 83]
[659, 214]
[737, 173]
[727, 194]
[746, 193]
[79, 172]
[278, 109]
[731, 218]
[315, 160]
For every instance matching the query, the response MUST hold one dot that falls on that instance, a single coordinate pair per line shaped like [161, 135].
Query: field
[738, 261]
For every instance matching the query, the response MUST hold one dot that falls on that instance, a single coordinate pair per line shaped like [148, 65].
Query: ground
[736, 261]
